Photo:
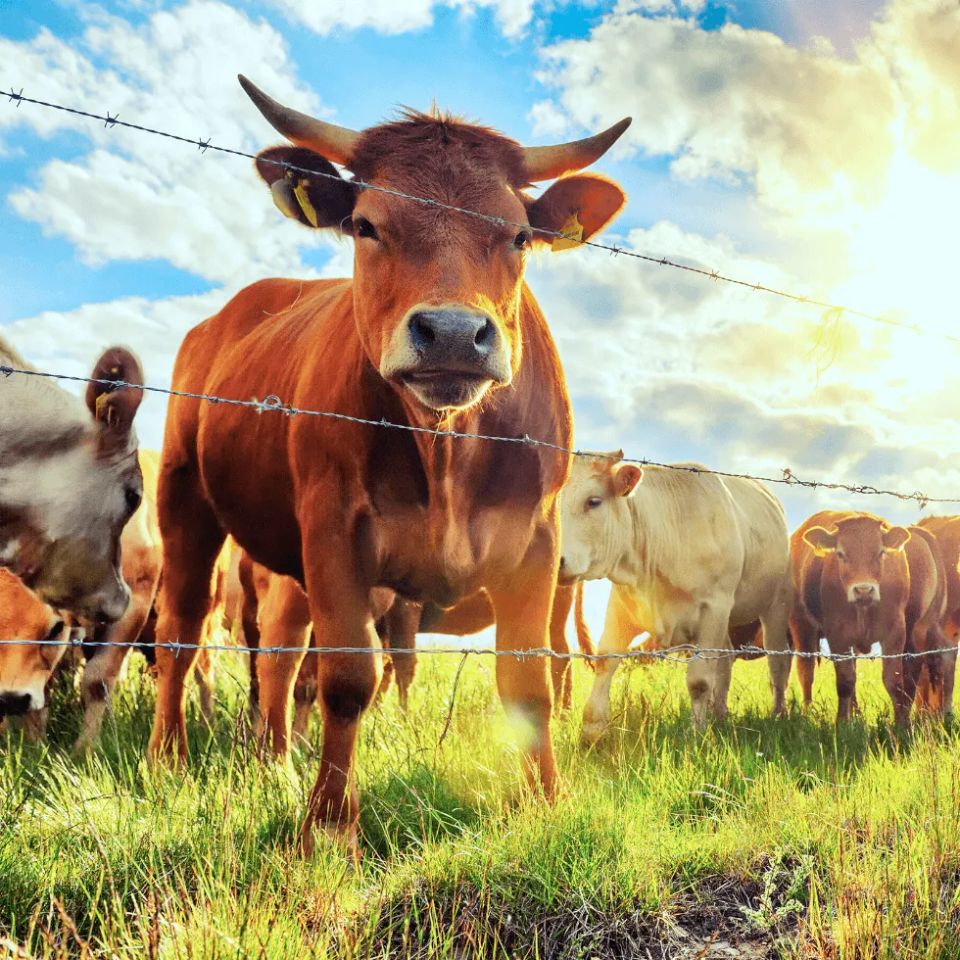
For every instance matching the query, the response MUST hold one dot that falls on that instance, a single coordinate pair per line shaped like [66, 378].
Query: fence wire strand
[273, 404]
[112, 120]
[679, 653]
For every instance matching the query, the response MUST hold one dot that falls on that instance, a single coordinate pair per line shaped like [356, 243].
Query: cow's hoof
[592, 732]
[342, 837]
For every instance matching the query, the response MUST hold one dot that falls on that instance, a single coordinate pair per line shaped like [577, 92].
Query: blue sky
[798, 143]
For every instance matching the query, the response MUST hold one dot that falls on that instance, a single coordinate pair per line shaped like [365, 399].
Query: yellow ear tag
[303, 198]
[572, 231]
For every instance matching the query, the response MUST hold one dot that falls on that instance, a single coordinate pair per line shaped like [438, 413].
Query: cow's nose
[863, 591]
[453, 336]
[112, 607]
[14, 704]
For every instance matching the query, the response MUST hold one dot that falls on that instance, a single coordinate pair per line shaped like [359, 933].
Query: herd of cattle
[300, 532]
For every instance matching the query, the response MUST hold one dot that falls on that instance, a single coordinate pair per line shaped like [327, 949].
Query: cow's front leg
[522, 605]
[618, 630]
[898, 676]
[340, 611]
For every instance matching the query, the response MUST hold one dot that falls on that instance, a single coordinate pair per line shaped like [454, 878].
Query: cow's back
[766, 548]
[928, 581]
[946, 531]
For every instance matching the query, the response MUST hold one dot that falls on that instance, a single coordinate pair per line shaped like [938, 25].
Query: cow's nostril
[486, 334]
[421, 329]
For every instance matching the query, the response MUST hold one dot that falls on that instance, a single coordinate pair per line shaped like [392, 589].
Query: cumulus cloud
[134, 196]
[388, 16]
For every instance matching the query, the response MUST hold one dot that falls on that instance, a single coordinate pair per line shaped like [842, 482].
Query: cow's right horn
[334, 143]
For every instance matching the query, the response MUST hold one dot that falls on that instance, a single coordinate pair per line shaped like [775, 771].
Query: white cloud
[136, 196]
[390, 17]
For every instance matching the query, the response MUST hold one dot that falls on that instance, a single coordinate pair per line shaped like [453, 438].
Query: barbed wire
[680, 653]
[112, 120]
[273, 403]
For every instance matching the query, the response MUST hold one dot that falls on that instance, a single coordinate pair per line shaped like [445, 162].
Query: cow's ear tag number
[303, 198]
[572, 231]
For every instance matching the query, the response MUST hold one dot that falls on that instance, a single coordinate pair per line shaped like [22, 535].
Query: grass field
[761, 838]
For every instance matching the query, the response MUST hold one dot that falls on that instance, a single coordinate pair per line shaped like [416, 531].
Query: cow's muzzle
[13, 704]
[451, 357]
[865, 593]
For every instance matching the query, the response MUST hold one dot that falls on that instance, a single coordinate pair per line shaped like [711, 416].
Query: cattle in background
[27, 665]
[691, 555]
[436, 319]
[860, 581]
[69, 481]
[140, 559]
[946, 532]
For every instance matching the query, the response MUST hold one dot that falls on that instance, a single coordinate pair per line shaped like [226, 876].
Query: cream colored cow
[690, 555]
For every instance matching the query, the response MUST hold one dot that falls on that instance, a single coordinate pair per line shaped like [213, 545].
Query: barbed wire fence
[683, 653]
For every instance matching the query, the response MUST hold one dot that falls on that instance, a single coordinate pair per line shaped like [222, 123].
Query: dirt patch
[720, 918]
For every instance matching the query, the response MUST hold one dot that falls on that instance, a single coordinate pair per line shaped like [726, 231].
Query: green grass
[776, 838]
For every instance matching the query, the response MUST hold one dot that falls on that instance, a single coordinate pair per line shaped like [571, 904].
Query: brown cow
[860, 581]
[27, 665]
[435, 330]
[946, 533]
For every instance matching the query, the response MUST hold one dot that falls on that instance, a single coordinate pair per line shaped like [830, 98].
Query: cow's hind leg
[561, 669]
[192, 538]
[402, 622]
[284, 623]
[711, 667]
[776, 641]
[305, 690]
[618, 631]
[805, 637]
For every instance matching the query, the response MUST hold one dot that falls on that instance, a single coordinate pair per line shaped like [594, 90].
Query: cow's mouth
[446, 389]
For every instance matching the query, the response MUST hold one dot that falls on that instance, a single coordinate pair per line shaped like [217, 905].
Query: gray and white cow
[690, 555]
[69, 481]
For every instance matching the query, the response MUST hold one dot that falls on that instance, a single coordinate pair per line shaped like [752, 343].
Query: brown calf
[27, 664]
[859, 581]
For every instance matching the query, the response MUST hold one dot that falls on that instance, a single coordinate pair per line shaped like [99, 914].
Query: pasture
[762, 838]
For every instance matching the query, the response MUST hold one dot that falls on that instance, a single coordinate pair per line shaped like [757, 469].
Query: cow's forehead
[862, 527]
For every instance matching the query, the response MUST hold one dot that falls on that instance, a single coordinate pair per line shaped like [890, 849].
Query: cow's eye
[841, 555]
[362, 227]
[133, 498]
[593, 502]
[522, 240]
[880, 555]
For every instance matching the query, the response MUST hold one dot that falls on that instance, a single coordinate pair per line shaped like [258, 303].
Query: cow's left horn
[334, 143]
[545, 163]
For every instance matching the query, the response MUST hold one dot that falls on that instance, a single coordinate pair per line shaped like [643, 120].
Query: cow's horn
[334, 143]
[545, 163]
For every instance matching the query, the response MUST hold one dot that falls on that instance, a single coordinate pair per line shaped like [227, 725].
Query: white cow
[69, 481]
[690, 555]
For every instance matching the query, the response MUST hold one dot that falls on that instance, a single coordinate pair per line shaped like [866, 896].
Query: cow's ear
[313, 194]
[822, 541]
[895, 539]
[626, 476]
[577, 206]
[112, 402]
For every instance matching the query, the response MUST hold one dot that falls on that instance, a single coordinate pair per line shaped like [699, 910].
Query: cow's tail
[583, 631]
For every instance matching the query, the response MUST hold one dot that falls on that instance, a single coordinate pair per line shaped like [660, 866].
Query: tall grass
[771, 837]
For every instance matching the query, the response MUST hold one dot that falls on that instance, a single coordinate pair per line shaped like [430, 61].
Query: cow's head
[69, 487]
[26, 665]
[860, 545]
[596, 526]
[436, 292]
